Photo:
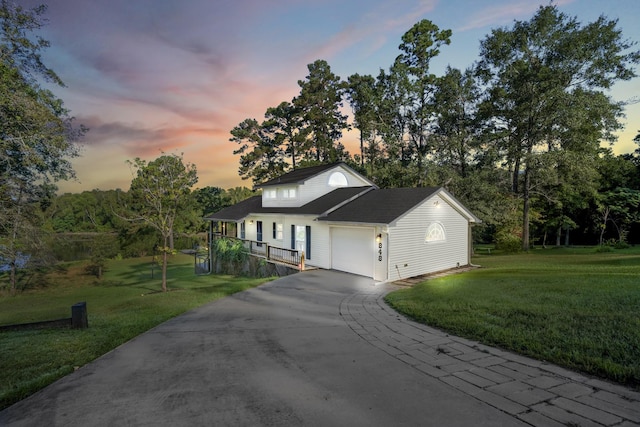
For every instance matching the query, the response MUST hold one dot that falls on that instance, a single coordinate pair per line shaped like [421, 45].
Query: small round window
[337, 179]
[435, 233]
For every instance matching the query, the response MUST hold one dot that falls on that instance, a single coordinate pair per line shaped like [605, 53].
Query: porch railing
[263, 249]
[286, 256]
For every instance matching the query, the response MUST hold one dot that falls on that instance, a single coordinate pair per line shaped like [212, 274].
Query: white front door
[301, 238]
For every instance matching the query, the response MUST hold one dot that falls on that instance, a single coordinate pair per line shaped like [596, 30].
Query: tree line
[159, 214]
[38, 139]
[101, 211]
[516, 136]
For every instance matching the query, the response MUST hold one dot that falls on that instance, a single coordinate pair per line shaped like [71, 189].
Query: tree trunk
[566, 237]
[361, 150]
[515, 176]
[165, 250]
[603, 227]
[525, 210]
[293, 155]
[558, 235]
[13, 278]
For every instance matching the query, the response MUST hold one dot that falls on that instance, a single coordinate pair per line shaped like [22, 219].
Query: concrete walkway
[320, 348]
[535, 392]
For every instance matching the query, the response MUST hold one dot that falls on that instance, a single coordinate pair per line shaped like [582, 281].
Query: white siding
[313, 188]
[410, 255]
[280, 200]
[320, 242]
[320, 253]
[319, 185]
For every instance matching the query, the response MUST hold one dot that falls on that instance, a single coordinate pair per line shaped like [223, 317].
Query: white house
[342, 221]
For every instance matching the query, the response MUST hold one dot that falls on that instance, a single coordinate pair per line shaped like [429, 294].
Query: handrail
[263, 249]
[287, 256]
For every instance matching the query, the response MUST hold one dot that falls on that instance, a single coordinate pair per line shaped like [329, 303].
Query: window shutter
[293, 236]
[274, 231]
[308, 241]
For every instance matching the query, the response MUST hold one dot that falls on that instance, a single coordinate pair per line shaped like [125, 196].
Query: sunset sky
[177, 75]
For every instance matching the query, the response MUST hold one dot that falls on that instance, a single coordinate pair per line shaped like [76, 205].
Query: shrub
[604, 249]
[612, 244]
[508, 242]
[230, 250]
[621, 245]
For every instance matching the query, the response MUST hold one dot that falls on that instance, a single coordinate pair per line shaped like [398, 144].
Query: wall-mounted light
[378, 238]
[250, 222]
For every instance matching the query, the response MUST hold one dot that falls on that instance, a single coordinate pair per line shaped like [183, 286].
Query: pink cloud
[504, 14]
[147, 76]
[373, 29]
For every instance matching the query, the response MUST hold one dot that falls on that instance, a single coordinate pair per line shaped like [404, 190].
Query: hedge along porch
[340, 220]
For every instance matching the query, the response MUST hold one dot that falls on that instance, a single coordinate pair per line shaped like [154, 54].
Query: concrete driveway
[317, 348]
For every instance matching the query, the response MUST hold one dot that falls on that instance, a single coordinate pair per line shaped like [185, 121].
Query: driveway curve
[318, 348]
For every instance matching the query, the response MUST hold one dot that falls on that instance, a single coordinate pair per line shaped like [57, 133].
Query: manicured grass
[123, 304]
[572, 307]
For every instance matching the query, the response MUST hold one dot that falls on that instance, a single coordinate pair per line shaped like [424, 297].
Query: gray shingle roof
[321, 204]
[365, 205]
[316, 207]
[380, 206]
[238, 211]
[297, 176]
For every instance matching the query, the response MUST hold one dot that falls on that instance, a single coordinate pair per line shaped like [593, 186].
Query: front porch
[290, 257]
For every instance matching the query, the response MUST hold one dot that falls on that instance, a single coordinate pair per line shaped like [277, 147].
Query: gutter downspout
[470, 245]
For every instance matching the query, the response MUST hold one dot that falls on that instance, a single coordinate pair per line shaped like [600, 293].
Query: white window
[270, 194]
[289, 193]
[338, 179]
[278, 231]
[435, 233]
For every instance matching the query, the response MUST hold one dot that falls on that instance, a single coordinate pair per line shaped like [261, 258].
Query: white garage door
[352, 250]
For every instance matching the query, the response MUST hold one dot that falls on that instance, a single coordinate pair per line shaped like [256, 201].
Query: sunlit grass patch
[576, 308]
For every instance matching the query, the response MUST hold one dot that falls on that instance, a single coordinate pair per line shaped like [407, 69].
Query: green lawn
[572, 307]
[123, 304]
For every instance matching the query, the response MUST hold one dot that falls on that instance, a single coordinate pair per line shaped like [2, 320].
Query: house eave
[458, 206]
[353, 223]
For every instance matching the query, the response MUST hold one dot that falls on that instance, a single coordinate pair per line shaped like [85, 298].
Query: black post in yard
[79, 318]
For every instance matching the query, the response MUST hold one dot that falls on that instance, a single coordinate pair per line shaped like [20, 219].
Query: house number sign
[380, 251]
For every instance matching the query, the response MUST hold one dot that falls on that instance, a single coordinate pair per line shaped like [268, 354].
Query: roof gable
[299, 176]
[462, 210]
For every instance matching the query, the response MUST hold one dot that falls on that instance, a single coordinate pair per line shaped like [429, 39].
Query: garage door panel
[352, 250]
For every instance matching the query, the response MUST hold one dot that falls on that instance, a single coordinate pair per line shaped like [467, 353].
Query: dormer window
[289, 193]
[338, 179]
[270, 194]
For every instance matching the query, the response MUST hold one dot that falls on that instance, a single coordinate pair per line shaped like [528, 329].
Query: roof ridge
[306, 173]
[365, 190]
